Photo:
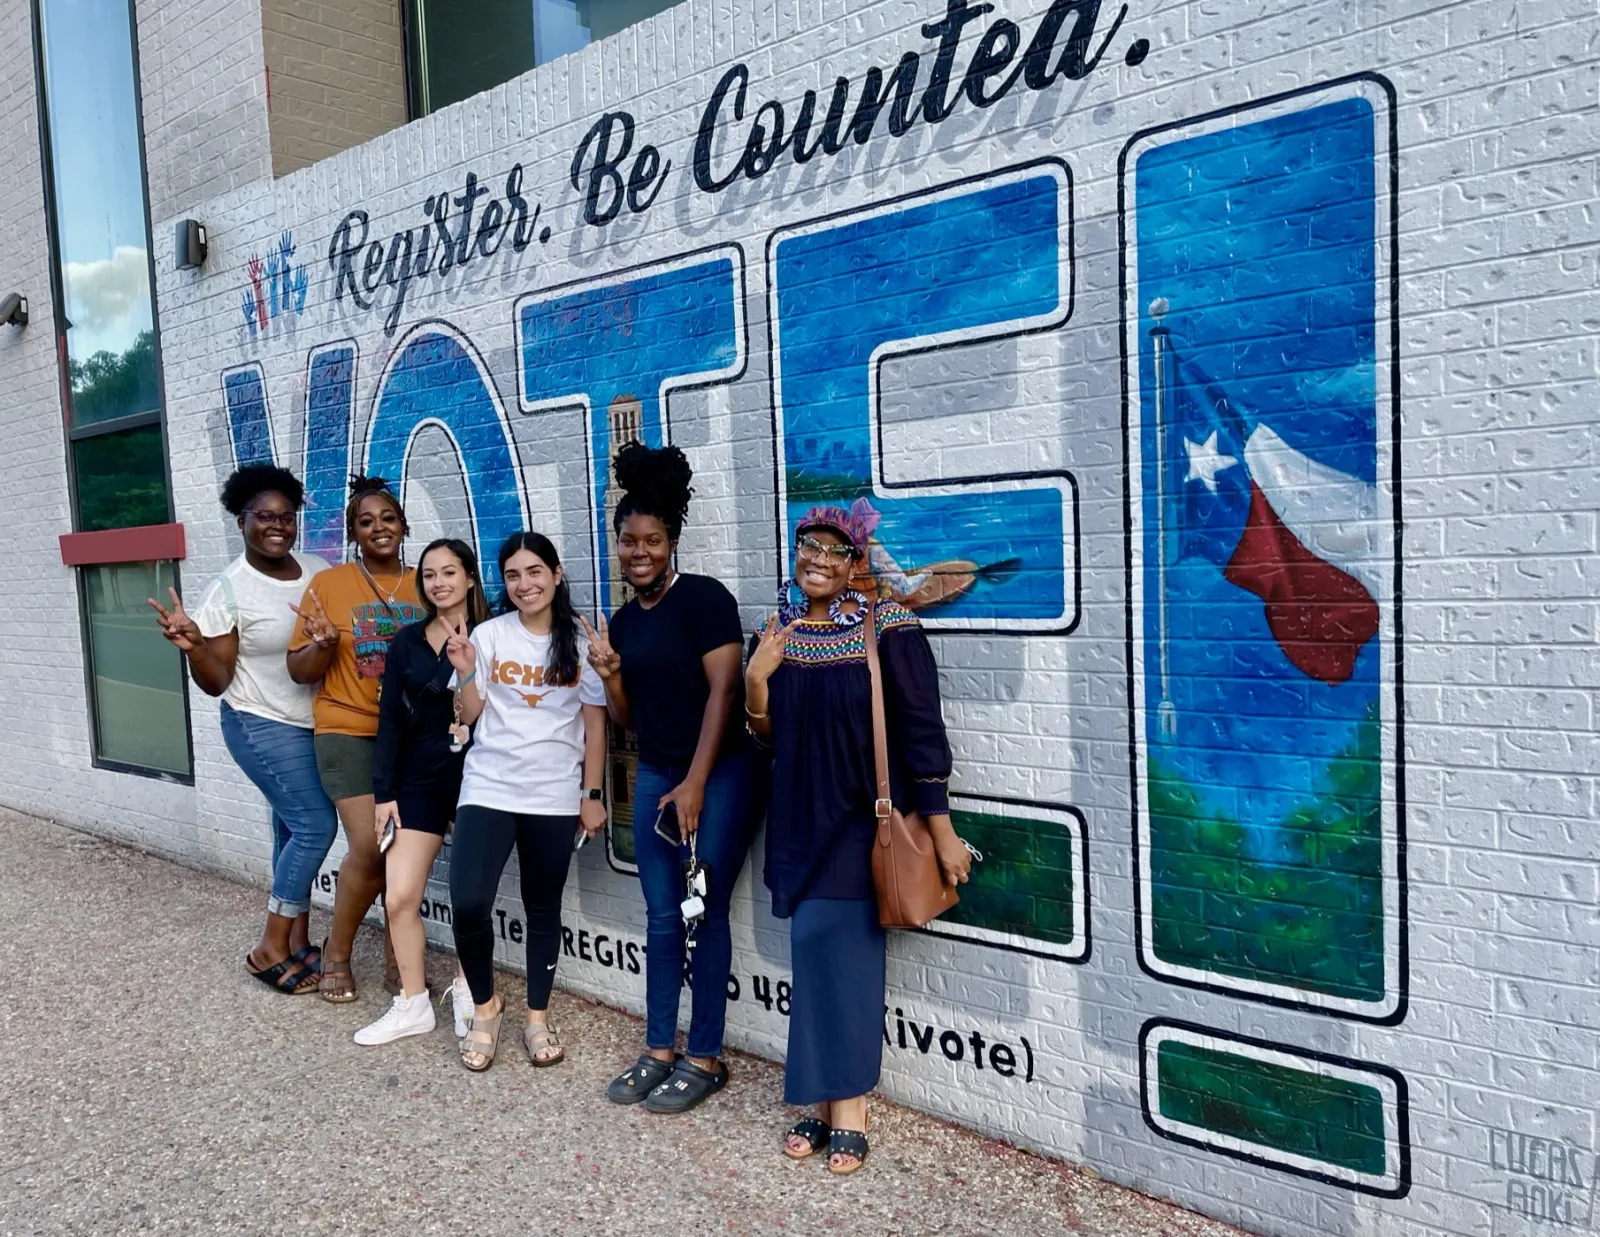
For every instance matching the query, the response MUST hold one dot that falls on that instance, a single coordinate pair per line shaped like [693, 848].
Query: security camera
[14, 310]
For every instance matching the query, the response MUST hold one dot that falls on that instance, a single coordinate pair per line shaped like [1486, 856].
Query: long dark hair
[563, 667]
[654, 481]
[477, 603]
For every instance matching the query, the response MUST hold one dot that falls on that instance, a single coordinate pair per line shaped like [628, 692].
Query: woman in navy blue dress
[808, 698]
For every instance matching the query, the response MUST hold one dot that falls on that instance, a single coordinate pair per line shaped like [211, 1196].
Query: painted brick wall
[205, 99]
[45, 744]
[337, 73]
[1235, 366]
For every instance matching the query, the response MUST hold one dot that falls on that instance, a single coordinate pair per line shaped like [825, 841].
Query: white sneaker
[408, 1015]
[461, 1005]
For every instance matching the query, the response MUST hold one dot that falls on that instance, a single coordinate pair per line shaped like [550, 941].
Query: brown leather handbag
[912, 890]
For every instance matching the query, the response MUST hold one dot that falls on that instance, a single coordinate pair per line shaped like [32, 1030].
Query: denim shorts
[344, 762]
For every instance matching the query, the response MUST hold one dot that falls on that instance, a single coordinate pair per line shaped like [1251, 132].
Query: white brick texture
[1233, 363]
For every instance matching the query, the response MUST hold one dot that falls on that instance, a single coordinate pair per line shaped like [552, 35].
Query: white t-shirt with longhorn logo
[527, 747]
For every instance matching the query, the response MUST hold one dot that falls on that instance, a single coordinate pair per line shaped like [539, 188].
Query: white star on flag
[1205, 461]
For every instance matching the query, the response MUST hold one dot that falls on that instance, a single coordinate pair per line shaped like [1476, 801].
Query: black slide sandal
[847, 1142]
[814, 1130]
[638, 1080]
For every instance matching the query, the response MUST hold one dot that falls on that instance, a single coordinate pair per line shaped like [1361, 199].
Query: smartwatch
[595, 793]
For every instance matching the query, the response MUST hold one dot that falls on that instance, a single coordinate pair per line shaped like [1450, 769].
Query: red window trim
[123, 545]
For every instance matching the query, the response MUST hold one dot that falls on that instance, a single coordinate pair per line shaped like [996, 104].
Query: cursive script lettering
[993, 69]
[446, 240]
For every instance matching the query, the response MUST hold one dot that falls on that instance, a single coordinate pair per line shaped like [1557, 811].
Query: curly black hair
[365, 487]
[244, 484]
[654, 481]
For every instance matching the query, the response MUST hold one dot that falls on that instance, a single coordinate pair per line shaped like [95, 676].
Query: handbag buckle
[883, 808]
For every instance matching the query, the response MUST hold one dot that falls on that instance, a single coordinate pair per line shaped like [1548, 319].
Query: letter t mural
[627, 341]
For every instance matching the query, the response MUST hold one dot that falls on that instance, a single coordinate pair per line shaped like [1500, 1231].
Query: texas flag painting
[1264, 599]
[1284, 526]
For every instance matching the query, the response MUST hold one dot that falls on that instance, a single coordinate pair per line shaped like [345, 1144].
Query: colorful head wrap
[855, 525]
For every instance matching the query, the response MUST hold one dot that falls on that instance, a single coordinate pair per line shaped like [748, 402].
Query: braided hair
[654, 481]
[365, 487]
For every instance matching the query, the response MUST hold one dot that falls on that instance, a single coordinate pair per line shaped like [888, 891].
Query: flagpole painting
[1258, 257]
[1166, 713]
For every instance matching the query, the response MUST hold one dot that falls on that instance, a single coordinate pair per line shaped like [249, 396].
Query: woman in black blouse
[808, 697]
[416, 774]
[670, 661]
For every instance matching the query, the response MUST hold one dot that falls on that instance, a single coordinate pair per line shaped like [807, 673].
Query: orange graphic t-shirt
[347, 701]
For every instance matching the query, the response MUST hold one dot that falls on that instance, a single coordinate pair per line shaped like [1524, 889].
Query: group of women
[387, 699]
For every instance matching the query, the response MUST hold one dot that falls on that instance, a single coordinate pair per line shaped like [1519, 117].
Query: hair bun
[655, 480]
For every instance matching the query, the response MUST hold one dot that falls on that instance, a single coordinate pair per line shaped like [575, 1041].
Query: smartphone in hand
[387, 840]
[667, 825]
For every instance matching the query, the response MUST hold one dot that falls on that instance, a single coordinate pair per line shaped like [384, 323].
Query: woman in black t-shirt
[672, 662]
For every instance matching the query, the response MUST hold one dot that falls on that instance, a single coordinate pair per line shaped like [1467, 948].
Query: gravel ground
[148, 1085]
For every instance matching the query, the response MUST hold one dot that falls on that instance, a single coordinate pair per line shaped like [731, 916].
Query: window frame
[73, 434]
[91, 693]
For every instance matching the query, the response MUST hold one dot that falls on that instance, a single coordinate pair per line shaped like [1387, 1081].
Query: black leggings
[483, 840]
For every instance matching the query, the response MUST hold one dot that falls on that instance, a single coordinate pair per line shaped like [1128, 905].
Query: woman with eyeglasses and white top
[235, 644]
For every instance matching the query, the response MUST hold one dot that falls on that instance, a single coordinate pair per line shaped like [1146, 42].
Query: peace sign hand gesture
[605, 659]
[458, 647]
[768, 656]
[317, 623]
[176, 625]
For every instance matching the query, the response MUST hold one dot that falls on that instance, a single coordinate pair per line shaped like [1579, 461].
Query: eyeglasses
[810, 547]
[281, 519]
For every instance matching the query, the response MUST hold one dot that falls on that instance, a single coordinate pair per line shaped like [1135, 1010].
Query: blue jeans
[726, 824]
[282, 762]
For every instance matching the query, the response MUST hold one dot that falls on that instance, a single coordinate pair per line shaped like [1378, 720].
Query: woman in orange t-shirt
[347, 618]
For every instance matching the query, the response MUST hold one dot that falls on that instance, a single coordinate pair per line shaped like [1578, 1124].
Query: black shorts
[427, 809]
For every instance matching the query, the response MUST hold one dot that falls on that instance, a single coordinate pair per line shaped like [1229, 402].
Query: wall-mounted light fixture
[189, 243]
[14, 310]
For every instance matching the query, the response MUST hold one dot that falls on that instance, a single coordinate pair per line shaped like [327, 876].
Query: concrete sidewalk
[147, 1084]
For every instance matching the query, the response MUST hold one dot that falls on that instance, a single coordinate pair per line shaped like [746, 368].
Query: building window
[111, 369]
[457, 48]
[140, 717]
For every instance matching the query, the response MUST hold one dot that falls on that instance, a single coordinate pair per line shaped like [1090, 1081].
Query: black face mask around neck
[656, 587]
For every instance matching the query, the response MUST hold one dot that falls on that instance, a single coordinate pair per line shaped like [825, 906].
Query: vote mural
[1171, 639]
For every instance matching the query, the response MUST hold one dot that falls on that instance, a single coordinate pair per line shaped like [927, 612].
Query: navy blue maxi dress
[820, 827]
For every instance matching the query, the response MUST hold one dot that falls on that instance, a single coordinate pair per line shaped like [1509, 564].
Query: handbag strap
[880, 729]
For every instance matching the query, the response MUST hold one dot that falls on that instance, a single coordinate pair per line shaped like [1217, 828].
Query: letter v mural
[1264, 592]
[434, 379]
[325, 465]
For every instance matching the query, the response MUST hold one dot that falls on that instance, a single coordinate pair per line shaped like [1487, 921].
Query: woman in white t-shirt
[236, 644]
[532, 779]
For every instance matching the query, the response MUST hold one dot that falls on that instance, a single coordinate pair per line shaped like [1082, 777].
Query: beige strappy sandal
[481, 1040]
[539, 1037]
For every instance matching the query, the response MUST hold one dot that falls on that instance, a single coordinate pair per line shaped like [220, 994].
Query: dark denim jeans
[282, 762]
[727, 821]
